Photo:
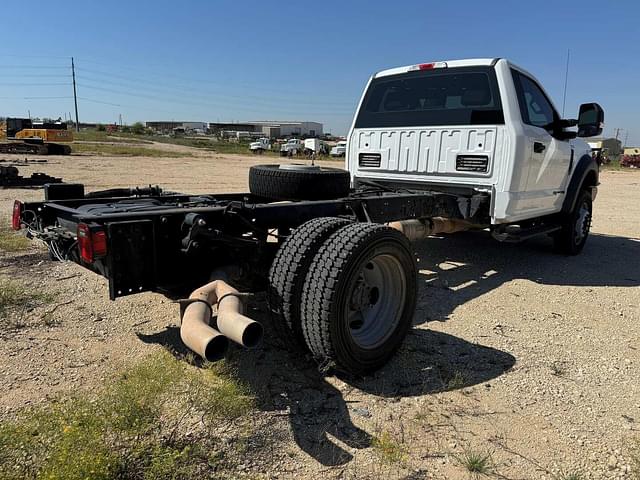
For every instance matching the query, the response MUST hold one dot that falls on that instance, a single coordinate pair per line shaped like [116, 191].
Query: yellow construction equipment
[21, 135]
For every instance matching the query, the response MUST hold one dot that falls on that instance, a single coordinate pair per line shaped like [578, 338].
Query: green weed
[157, 420]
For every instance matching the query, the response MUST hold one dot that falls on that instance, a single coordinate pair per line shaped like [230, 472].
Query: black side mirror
[590, 120]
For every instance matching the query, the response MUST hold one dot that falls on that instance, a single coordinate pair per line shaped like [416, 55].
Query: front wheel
[571, 238]
[359, 297]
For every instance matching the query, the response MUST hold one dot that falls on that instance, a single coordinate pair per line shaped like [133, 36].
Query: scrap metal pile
[10, 177]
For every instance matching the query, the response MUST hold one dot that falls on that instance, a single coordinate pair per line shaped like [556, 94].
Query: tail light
[16, 222]
[92, 243]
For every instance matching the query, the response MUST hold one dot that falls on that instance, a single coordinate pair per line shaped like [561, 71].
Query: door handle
[539, 147]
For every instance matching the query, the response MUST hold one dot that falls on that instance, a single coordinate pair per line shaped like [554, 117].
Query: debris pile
[10, 177]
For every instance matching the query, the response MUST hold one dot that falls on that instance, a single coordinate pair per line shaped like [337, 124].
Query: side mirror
[590, 120]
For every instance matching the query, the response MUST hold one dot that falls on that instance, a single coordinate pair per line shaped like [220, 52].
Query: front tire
[570, 240]
[359, 297]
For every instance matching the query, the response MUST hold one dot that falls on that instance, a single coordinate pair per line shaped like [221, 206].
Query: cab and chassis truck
[434, 148]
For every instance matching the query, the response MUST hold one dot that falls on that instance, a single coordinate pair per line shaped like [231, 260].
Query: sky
[246, 60]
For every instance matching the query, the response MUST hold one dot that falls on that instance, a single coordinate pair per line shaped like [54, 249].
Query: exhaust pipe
[205, 340]
[425, 227]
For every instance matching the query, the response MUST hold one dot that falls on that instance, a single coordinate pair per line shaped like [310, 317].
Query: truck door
[548, 157]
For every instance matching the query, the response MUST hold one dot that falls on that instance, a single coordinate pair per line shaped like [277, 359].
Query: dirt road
[528, 356]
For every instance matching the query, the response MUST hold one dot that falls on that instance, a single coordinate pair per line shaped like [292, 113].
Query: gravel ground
[528, 356]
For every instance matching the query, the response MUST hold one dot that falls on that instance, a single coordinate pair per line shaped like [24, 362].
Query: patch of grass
[124, 150]
[635, 459]
[103, 136]
[613, 165]
[13, 294]
[11, 241]
[477, 463]
[457, 380]
[388, 449]
[159, 419]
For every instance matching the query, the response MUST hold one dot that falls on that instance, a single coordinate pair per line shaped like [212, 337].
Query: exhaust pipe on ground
[205, 340]
[418, 229]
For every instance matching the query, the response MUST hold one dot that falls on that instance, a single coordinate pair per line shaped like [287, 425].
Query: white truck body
[525, 168]
[293, 146]
[339, 150]
[260, 144]
[312, 144]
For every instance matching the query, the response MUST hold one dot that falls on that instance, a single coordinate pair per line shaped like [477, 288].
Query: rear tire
[570, 240]
[359, 297]
[288, 272]
[298, 182]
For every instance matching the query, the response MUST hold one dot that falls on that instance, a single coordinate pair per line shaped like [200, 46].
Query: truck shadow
[287, 383]
[453, 271]
[464, 266]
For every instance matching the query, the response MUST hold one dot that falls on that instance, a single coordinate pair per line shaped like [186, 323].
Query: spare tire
[298, 182]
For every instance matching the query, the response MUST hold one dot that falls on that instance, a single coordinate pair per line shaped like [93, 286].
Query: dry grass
[13, 294]
[124, 150]
[11, 241]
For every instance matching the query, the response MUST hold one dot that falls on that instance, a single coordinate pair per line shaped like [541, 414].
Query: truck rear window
[454, 96]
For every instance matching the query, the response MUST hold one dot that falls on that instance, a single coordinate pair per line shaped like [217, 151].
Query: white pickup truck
[484, 126]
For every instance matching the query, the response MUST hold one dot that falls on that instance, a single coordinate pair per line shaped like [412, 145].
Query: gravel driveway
[518, 352]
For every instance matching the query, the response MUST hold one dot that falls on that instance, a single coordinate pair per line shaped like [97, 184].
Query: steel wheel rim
[583, 223]
[375, 301]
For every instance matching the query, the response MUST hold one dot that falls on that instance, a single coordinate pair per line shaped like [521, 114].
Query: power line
[23, 84]
[34, 66]
[36, 75]
[34, 98]
[205, 81]
[85, 99]
[216, 97]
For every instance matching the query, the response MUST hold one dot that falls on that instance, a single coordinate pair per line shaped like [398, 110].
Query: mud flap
[131, 258]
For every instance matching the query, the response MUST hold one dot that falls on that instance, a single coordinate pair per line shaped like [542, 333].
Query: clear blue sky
[247, 60]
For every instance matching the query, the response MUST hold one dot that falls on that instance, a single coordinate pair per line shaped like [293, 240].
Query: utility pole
[566, 78]
[626, 137]
[75, 97]
[617, 132]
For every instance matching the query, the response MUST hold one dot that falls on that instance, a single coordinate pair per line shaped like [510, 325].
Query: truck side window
[535, 108]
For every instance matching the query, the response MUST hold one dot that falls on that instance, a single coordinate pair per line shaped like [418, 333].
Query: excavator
[21, 135]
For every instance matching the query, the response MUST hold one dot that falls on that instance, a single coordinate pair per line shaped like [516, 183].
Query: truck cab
[478, 125]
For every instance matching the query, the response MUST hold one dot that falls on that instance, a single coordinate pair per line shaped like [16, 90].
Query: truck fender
[584, 175]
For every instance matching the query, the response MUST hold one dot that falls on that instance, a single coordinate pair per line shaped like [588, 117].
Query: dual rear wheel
[346, 291]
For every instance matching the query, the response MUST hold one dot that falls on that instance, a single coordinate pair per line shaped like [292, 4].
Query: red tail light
[92, 244]
[429, 66]
[16, 223]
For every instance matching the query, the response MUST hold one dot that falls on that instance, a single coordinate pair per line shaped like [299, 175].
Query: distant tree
[100, 127]
[138, 128]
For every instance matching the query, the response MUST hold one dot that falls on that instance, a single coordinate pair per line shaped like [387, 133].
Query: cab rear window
[455, 96]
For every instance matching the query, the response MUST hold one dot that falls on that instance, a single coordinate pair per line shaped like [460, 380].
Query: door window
[535, 107]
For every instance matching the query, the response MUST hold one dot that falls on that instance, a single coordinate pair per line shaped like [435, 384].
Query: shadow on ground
[458, 268]
[454, 270]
